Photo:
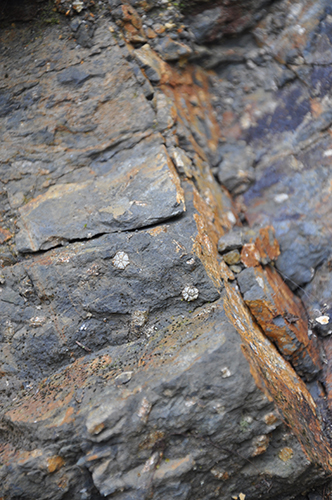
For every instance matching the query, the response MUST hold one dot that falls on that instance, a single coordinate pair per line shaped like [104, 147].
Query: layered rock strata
[137, 361]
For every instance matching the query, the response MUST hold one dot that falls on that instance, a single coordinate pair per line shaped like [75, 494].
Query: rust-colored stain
[157, 230]
[97, 428]
[316, 107]
[289, 392]
[225, 272]
[54, 463]
[291, 335]
[68, 418]
[24, 456]
[176, 180]
[263, 250]
[270, 419]
[267, 245]
[193, 105]
[262, 443]
[285, 454]
[5, 235]
[132, 24]
[250, 255]
[279, 312]
[216, 198]
[206, 242]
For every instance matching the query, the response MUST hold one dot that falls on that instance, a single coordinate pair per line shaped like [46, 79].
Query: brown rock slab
[280, 381]
[281, 316]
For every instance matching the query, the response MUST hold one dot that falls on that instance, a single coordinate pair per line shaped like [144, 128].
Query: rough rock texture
[137, 361]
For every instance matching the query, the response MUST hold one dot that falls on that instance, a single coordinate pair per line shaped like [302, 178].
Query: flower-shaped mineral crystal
[190, 293]
[121, 260]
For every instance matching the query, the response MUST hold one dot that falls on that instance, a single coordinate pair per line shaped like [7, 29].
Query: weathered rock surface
[136, 361]
[133, 194]
[214, 22]
[287, 125]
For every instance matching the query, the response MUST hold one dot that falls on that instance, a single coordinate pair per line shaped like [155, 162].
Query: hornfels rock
[279, 380]
[133, 194]
[154, 433]
[289, 27]
[236, 170]
[228, 18]
[281, 317]
[171, 50]
[131, 365]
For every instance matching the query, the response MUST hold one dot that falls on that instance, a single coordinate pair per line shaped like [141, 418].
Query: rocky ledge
[165, 250]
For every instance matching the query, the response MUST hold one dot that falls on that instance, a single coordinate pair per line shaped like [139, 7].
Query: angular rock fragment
[281, 317]
[134, 194]
[280, 381]
[170, 50]
[232, 257]
[236, 171]
[150, 62]
[230, 241]
[108, 290]
[212, 23]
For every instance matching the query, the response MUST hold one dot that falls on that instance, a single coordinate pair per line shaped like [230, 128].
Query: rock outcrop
[152, 345]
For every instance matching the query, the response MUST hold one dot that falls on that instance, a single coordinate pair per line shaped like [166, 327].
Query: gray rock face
[188, 429]
[130, 365]
[236, 170]
[233, 17]
[285, 122]
[140, 188]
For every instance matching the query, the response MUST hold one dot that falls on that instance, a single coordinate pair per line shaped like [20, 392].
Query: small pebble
[232, 257]
[235, 269]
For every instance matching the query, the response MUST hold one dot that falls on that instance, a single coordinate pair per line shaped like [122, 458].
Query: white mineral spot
[328, 152]
[239, 324]
[190, 262]
[225, 372]
[190, 403]
[78, 5]
[37, 321]
[280, 198]
[144, 409]
[121, 260]
[151, 462]
[245, 121]
[190, 293]
[231, 217]
[260, 282]
[323, 320]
